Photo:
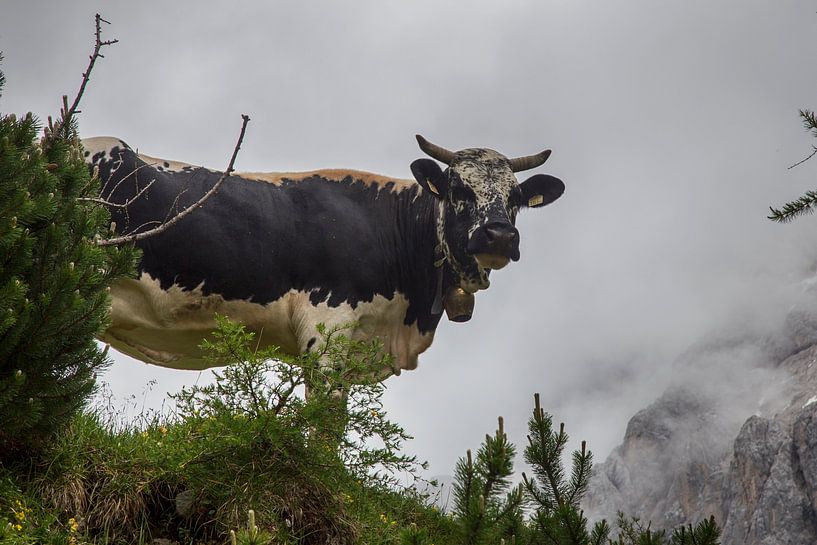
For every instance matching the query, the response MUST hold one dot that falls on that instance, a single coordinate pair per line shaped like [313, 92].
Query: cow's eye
[515, 198]
[460, 193]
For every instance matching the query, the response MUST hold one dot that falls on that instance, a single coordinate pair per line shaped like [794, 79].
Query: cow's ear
[541, 189]
[429, 175]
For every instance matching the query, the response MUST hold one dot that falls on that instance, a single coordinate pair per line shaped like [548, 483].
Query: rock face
[744, 451]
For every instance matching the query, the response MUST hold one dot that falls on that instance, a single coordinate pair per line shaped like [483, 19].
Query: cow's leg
[333, 426]
[304, 319]
[316, 378]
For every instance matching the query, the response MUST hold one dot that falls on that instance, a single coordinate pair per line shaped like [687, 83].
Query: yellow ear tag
[536, 200]
[432, 188]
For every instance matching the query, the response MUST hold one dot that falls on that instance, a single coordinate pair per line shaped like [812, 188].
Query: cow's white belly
[166, 327]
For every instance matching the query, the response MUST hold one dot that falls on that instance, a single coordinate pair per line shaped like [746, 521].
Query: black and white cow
[284, 252]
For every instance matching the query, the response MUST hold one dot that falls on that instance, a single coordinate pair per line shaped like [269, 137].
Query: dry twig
[62, 128]
[800, 162]
[134, 237]
[104, 202]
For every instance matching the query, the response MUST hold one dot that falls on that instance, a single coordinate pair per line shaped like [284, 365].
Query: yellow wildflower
[18, 527]
[73, 525]
[163, 430]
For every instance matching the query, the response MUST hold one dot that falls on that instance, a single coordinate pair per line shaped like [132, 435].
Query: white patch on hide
[166, 327]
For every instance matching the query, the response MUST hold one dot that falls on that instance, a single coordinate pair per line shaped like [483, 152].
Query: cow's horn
[529, 161]
[433, 150]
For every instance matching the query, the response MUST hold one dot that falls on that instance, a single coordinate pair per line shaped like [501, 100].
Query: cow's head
[479, 197]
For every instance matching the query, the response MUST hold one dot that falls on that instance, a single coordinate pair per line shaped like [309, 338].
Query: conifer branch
[809, 121]
[134, 237]
[536, 493]
[600, 533]
[805, 204]
[580, 477]
[802, 206]
[513, 501]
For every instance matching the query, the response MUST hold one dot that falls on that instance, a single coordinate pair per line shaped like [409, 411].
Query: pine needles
[805, 204]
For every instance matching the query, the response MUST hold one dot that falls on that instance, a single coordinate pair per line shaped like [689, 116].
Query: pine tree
[705, 532]
[551, 497]
[487, 510]
[557, 518]
[53, 281]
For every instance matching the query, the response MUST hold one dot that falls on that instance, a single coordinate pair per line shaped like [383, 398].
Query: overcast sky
[671, 124]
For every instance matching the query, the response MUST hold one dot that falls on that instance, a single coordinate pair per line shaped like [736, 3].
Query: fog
[671, 124]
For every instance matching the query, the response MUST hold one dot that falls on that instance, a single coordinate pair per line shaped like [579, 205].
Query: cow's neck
[415, 250]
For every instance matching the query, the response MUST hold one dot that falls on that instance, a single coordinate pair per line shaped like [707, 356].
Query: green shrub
[247, 441]
[53, 281]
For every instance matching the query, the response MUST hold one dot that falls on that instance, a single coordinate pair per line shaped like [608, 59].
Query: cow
[284, 252]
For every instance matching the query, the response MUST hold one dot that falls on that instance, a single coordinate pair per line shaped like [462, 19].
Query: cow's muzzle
[494, 244]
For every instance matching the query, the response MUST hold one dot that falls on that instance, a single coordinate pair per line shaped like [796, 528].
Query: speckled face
[479, 214]
[478, 198]
[482, 180]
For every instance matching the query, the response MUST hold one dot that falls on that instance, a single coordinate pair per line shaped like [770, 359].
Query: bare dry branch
[86, 76]
[118, 205]
[174, 206]
[134, 173]
[147, 223]
[134, 237]
[62, 129]
[800, 162]
[63, 125]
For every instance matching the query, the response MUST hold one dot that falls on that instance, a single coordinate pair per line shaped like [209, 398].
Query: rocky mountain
[735, 438]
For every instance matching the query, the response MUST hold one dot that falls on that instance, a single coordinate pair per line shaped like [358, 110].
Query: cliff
[735, 438]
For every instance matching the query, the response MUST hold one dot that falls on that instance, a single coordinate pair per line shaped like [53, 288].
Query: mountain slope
[736, 439]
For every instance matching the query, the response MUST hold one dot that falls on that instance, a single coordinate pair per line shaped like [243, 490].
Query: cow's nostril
[501, 234]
